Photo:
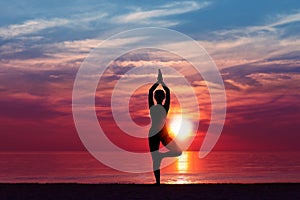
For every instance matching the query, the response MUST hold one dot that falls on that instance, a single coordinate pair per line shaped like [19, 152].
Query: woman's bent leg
[174, 149]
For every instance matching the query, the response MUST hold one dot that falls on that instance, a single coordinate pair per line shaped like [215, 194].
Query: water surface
[217, 167]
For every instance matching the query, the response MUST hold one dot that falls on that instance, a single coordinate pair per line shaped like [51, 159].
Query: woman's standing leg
[156, 157]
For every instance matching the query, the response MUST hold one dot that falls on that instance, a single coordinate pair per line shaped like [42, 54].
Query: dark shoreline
[146, 191]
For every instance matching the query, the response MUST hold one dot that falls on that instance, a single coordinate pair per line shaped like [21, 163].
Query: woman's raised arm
[167, 101]
[150, 94]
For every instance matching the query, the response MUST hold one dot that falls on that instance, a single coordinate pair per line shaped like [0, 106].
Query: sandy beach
[145, 191]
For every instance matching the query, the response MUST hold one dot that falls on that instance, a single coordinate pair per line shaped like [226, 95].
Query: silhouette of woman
[158, 131]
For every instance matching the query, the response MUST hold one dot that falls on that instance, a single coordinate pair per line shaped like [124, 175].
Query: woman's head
[159, 96]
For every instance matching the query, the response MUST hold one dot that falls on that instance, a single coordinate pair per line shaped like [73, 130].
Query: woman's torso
[158, 119]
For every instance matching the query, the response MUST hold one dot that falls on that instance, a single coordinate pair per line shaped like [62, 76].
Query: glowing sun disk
[181, 127]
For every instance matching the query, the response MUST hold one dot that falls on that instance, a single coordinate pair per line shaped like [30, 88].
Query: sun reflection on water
[184, 169]
[179, 180]
[181, 167]
[183, 163]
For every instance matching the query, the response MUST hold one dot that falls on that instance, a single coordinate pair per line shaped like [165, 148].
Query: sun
[180, 127]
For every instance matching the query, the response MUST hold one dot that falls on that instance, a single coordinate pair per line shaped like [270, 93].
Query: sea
[217, 167]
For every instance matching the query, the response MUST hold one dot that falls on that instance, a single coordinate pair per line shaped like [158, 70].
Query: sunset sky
[255, 45]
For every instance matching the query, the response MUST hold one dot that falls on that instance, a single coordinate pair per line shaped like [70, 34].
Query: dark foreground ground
[280, 191]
